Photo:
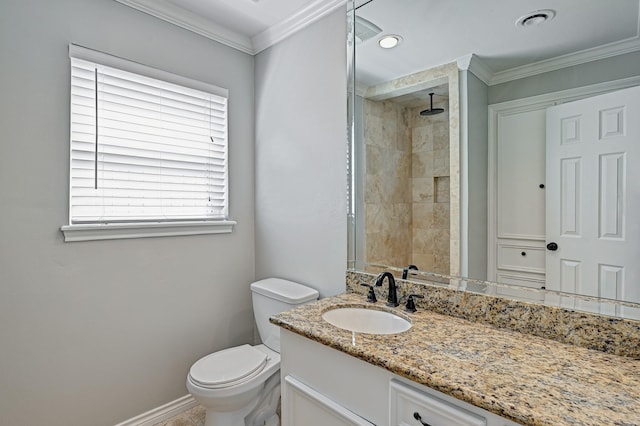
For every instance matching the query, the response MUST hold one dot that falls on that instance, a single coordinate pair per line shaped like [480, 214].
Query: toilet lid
[228, 367]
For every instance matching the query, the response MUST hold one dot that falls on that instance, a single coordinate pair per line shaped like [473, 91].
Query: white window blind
[144, 149]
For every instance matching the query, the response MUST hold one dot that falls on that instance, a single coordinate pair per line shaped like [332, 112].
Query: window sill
[117, 231]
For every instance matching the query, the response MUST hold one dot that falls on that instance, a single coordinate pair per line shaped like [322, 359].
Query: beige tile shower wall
[444, 74]
[388, 195]
[430, 188]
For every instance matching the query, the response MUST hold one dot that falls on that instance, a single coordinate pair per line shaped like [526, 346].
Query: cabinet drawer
[521, 258]
[407, 404]
[528, 282]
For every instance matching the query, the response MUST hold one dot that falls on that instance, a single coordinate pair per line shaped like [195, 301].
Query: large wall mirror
[499, 141]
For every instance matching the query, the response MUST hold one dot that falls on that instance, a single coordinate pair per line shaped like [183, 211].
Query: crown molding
[308, 15]
[464, 61]
[480, 69]
[588, 55]
[192, 22]
[195, 23]
[476, 66]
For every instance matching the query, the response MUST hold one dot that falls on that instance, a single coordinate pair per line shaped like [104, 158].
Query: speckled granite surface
[525, 378]
[607, 334]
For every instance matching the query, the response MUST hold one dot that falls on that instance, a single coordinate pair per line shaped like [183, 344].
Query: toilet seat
[228, 367]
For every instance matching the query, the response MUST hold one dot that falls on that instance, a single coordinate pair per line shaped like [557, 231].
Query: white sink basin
[363, 320]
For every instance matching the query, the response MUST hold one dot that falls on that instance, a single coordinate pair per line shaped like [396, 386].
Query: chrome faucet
[392, 298]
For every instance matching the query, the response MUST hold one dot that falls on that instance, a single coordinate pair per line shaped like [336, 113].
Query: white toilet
[241, 385]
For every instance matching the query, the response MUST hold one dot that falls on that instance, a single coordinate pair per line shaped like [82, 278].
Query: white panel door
[593, 197]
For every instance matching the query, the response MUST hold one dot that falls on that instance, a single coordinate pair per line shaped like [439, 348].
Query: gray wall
[477, 158]
[615, 68]
[95, 333]
[301, 162]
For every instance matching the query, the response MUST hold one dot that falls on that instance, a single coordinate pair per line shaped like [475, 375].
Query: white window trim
[113, 231]
[116, 231]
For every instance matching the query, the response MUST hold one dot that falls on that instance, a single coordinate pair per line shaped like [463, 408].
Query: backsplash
[606, 334]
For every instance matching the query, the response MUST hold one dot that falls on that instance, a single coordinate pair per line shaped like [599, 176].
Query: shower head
[431, 110]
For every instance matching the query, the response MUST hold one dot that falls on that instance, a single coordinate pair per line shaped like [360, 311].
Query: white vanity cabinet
[323, 386]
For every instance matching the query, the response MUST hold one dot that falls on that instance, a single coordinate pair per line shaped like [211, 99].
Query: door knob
[552, 246]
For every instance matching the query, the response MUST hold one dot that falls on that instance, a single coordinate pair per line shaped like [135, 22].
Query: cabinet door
[520, 172]
[301, 405]
[516, 191]
[411, 407]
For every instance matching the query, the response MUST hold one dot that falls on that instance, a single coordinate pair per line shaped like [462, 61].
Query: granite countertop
[528, 379]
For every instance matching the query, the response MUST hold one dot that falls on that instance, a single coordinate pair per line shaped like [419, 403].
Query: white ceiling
[434, 31]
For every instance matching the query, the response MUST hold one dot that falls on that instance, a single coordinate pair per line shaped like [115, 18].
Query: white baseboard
[161, 413]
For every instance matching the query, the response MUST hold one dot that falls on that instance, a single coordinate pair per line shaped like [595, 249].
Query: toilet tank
[272, 296]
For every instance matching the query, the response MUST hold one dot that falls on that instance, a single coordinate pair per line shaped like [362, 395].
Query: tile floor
[192, 417]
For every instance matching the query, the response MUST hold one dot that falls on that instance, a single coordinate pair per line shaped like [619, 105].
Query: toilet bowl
[229, 396]
[240, 386]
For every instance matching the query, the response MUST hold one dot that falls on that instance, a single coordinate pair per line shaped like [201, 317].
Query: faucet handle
[371, 297]
[410, 306]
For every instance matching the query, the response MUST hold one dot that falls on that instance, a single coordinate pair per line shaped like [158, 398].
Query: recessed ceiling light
[536, 17]
[389, 41]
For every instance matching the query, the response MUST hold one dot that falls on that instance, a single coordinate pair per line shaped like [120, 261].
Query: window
[148, 151]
